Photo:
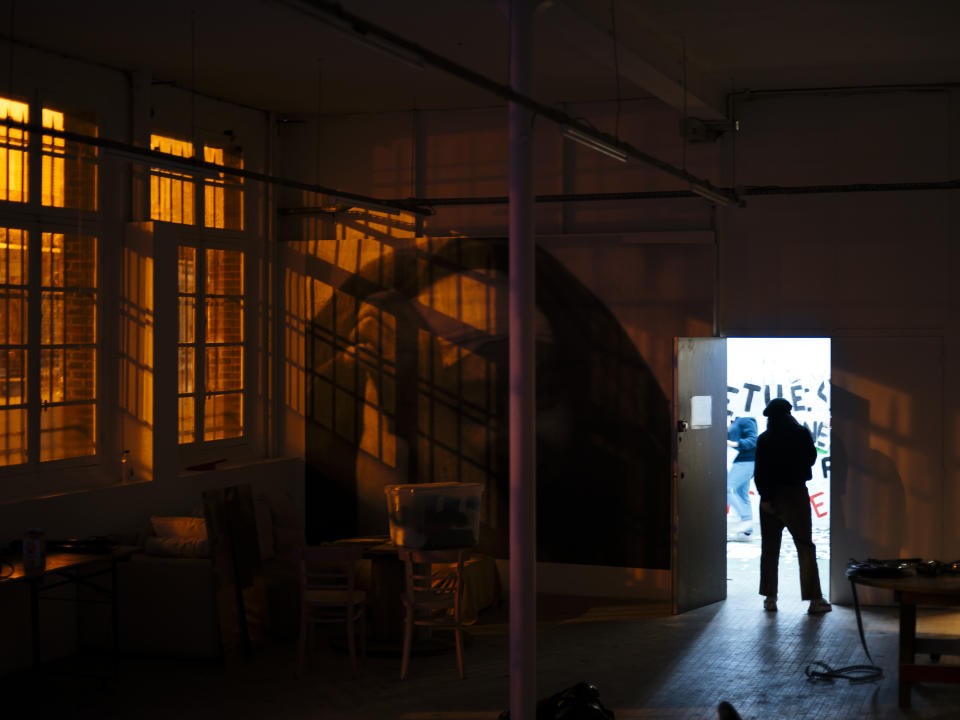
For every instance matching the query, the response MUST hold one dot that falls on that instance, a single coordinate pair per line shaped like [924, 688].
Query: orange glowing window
[68, 346]
[211, 344]
[69, 169]
[14, 176]
[173, 194]
[13, 346]
[64, 340]
[223, 195]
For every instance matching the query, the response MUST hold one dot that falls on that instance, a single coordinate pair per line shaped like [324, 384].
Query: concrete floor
[646, 663]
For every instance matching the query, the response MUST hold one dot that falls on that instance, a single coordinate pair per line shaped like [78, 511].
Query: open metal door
[699, 552]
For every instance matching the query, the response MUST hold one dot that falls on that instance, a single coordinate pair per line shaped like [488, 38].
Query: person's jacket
[743, 430]
[785, 454]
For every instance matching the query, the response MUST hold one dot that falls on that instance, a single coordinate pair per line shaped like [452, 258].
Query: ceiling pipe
[379, 38]
[201, 168]
[748, 191]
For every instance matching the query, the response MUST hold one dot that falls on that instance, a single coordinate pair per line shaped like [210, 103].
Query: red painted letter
[817, 505]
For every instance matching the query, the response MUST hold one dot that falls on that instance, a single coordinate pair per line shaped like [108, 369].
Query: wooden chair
[432, 596]
[328, 594]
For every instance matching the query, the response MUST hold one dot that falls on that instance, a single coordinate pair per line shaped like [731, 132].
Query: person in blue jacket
[742, 435]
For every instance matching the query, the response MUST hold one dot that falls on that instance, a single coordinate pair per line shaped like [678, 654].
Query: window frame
[199, 183]
[36, 218]
[200, 391]
[250, 445]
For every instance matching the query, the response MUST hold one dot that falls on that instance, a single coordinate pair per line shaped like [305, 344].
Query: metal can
[34, 550]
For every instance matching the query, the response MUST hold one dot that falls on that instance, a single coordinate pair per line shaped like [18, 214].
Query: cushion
[176, 547]
[186, 528]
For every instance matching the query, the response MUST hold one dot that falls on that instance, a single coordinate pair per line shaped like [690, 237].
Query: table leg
[35, 620]
[908, 636]
[115, 616]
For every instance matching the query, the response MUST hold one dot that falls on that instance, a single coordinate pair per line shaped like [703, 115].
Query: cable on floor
[854, 673]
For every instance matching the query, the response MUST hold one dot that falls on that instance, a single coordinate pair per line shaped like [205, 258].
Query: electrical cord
[854, 673]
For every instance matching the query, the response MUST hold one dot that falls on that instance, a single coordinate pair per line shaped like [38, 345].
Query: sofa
[168, 590]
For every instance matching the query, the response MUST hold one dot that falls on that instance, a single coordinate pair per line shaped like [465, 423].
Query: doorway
[798, 370]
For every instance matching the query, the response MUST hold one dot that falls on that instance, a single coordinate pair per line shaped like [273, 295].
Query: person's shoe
[819, 606]
[746, 527]
[770, 603]
[742, 537]
[726, 711]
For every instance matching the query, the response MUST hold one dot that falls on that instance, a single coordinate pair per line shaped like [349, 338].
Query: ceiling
[275, 54]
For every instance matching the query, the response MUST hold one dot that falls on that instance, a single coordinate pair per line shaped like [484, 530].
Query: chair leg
[363, 631]
[407, 640]
[458, 634]
[352, 639]
[302, 644]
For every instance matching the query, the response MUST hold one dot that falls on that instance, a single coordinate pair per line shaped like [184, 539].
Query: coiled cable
[854, 673]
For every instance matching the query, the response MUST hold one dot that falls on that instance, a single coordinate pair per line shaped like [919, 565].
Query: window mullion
[34, 319]
[201, 344]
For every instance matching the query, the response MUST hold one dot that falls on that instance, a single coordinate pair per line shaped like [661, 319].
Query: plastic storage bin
[427, 516]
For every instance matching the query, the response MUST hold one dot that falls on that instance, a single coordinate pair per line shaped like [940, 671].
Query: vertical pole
[522, 382]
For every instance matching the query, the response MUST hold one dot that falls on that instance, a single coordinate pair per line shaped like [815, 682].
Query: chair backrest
[437, 574]
[329, 567]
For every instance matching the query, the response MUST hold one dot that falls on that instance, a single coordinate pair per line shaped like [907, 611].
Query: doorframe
[830, 484]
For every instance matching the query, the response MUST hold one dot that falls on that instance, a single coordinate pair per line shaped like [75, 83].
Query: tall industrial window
[211, 343]
[68, 346]
[173, 193]
[69, 169]
[13, 346]
[223, 195]
[49, 294]
[62, 343]
[14, 177]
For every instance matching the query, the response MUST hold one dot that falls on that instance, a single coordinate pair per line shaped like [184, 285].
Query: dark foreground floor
[646, 663]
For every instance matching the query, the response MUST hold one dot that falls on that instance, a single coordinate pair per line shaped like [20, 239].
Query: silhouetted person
[742, 435]
[785, 454]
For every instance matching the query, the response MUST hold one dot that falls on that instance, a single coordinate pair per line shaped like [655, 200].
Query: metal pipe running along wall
[134, 153]
[743, 192]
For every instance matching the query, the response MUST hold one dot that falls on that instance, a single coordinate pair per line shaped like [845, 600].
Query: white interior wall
[872, 267]
[872, 271]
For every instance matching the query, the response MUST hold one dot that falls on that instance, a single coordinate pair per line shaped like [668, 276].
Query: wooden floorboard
[646, 663]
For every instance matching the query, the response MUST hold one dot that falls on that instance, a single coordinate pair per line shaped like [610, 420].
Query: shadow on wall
[868, 496]
[408, 362]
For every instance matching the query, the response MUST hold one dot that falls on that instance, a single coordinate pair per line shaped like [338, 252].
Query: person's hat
[777, 406]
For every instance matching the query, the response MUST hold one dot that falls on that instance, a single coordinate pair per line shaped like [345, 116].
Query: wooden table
[909, 592]
[71, 568]
[386, 578]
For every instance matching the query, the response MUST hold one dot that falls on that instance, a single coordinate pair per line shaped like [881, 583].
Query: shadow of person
[868, 497]
[424, 360]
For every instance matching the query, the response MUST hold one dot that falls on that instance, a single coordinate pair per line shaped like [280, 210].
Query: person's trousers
[738, 489]
[791, 509]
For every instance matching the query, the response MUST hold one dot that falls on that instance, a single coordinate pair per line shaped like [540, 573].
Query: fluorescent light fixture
[709, 193]
[571, 133]
[356, 29]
